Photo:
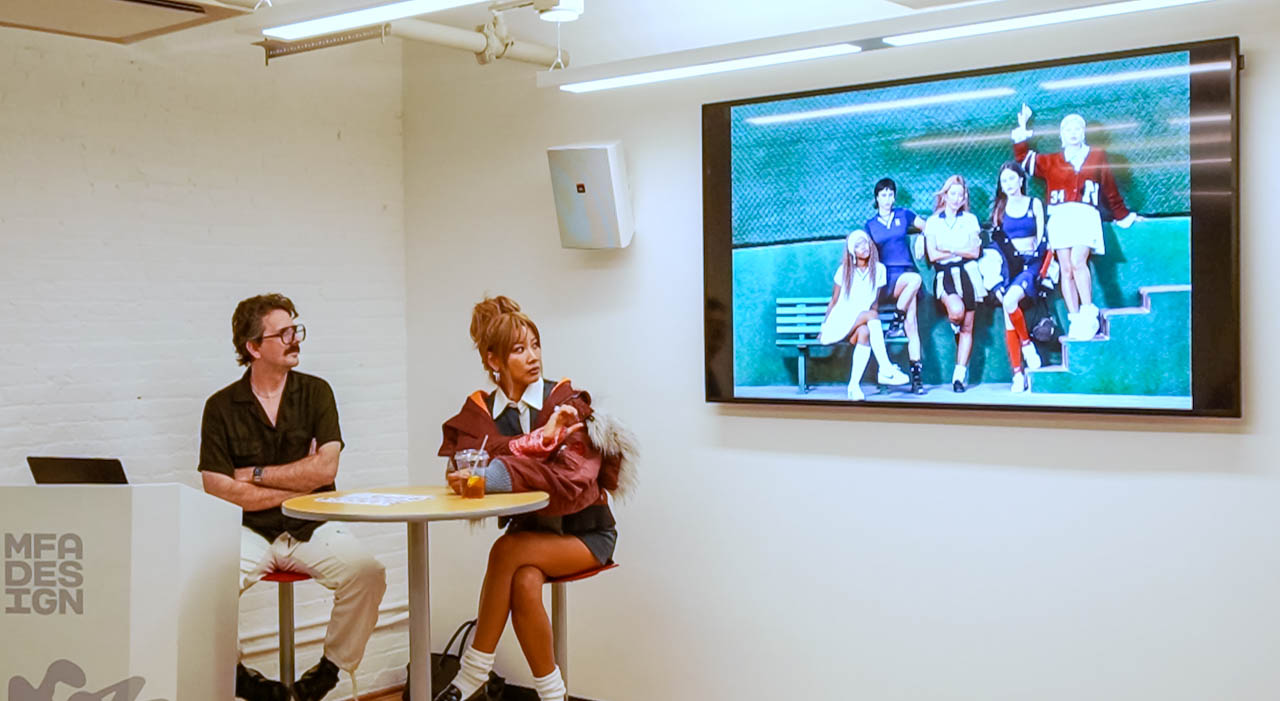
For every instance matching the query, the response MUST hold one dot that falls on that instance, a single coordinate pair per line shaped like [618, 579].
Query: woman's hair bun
[486, 311]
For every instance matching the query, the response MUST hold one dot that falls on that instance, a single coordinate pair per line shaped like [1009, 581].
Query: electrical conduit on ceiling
[485, 45]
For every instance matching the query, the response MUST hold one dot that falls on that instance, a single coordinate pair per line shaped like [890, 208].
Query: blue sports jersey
[891, 241]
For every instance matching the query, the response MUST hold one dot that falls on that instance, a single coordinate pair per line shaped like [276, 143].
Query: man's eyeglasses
[288, 334]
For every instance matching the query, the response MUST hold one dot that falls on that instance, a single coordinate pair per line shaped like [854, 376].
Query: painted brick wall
[145, 190]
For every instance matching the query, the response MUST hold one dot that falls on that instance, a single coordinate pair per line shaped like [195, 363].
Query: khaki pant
[336, 560]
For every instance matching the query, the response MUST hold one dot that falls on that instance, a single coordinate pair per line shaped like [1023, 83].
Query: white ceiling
[616, 30]
[612, 30]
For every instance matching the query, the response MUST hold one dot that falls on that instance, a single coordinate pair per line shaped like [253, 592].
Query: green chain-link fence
[812, 178]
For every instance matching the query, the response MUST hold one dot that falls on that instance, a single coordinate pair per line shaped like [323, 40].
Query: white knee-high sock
[861, 356]
[550, 687]
[876, 331]
[473, 670]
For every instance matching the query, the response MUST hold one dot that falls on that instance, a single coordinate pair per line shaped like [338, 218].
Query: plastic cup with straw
[478, 460]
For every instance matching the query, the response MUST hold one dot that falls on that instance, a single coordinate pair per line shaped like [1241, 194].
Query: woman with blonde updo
[543, 436]
[1081, 187]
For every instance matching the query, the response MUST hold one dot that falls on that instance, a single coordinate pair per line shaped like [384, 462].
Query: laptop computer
[77, 470]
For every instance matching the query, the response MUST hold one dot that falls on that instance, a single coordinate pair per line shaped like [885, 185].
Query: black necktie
[509, 421]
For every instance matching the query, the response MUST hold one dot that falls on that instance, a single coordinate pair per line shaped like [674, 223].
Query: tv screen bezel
[1215, 268]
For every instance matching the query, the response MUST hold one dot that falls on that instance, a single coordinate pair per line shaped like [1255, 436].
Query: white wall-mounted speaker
[593, 199]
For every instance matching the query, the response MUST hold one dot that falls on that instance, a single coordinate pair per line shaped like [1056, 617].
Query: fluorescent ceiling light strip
[1002, 136]
[360, 18]
[881, 106]
[1131, 76]
[1175, 142]
[1177, 121]
[736, 64]
[1169, 164]
[1004, 25]
[952, 140]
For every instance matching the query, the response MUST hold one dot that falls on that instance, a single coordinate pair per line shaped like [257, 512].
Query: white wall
[144, 191]
[808, 553]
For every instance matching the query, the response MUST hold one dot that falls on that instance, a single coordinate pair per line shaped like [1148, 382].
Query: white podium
[123, 592]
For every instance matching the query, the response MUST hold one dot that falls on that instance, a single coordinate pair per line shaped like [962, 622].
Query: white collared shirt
[529, 405]
[959, 233]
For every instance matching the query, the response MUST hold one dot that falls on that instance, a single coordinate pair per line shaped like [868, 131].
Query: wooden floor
[388, 695]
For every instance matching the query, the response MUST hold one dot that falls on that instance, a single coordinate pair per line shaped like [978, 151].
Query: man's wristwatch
[257, 475]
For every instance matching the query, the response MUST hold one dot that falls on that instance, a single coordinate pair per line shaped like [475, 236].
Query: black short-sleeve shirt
[235, 432]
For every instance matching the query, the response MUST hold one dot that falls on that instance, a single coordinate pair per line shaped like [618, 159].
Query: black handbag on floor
[444, 667]
[1045, 329]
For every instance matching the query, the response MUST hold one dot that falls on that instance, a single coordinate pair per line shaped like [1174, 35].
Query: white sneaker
[1019, 383]
[955, 328]
[1076, 330]
[1030, 356]
[1092, 318]
[855, 393]
[892, 375]
[1088, 327]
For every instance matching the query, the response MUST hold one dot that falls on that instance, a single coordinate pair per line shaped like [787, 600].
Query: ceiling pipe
[245, 4]
[490, 43]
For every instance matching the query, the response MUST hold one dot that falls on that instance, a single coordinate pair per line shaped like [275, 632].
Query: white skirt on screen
[850, 303]
[839, 323]
[1074, 224]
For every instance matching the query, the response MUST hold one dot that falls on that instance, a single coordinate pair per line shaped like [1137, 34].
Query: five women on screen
[1026, 235]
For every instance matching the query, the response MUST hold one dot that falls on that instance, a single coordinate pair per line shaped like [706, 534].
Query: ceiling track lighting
[549, 10]
[959, 31]
[1042, 19]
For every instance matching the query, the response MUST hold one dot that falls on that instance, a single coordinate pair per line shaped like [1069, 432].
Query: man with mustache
[270, 436]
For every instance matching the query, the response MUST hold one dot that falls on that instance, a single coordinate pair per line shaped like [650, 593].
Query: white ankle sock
[861, 354]
[875, 329]
[958, 374]
[473, 671]
[550, 687]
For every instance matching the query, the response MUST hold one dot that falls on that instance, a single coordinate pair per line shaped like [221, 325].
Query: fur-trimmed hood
[620, 451]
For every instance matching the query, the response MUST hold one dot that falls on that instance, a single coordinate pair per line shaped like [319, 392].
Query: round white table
[440, 504]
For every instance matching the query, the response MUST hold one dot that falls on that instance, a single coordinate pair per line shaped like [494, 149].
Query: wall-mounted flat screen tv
[1055, 236]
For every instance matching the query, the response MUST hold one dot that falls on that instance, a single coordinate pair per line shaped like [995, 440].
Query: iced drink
[473, 487]
[474, 461]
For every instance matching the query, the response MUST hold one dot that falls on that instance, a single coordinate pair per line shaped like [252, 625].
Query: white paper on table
[371, 499]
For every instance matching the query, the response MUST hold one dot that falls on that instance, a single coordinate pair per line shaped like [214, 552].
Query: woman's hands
[1022, 133]
[564, 417]
[456, 479]
[1130, 220]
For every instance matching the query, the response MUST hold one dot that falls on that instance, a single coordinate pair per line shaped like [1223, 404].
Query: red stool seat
[560, 614]
[583, 574]
[285, 576]
[285, 579]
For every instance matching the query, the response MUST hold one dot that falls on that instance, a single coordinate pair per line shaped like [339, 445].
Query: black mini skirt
[594, 526]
